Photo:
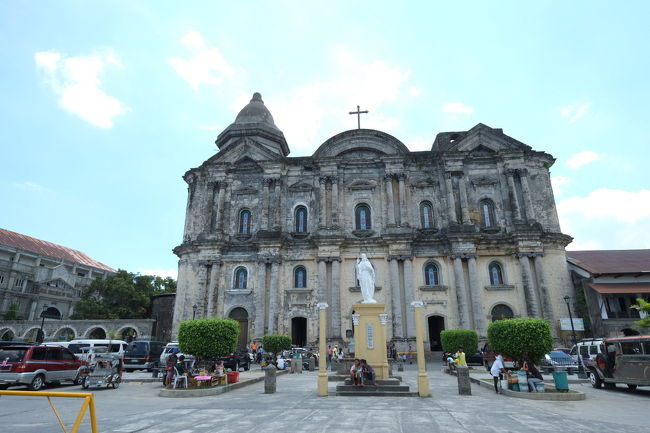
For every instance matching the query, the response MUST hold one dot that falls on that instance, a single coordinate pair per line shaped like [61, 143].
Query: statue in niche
[366, 278]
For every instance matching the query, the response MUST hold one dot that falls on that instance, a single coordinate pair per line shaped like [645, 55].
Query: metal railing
[88, 403]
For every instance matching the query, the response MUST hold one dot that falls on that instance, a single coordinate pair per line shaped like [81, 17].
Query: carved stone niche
[363, 233]
[438, 288]
[362, 184]
[298, 296]
[484, 181]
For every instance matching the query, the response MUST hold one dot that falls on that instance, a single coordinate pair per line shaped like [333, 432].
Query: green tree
[12, 312]
[513, 337]
[208, 338]
[644, 306]
[276, 343]
[451, 339]
[124, 295]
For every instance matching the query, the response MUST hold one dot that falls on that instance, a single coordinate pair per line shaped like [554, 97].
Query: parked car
[489, 356]
[143, 355]
[36, 366]
[116, 347]
[557, 358]
[622, 360]
[475, 358]
[189, 359]
[586, 350]
[237, 360]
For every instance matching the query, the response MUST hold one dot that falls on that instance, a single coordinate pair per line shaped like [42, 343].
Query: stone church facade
[469, 227]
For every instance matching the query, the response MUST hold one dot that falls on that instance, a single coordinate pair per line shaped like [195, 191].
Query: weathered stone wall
[55, 329]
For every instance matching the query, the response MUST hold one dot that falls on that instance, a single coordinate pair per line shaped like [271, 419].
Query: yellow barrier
[89, 403]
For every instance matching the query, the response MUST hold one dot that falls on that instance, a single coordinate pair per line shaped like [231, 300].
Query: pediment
[362, 184]
[242, 152]
[361, 144]
[481, 140]
[61, 273]
[300, 187]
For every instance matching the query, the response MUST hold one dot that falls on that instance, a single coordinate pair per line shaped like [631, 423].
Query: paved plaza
[136, 407]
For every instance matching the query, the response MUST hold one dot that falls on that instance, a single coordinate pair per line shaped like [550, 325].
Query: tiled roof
[48, 249]
[611, 261]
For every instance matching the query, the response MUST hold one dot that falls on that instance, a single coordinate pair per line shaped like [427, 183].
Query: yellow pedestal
[370, 336]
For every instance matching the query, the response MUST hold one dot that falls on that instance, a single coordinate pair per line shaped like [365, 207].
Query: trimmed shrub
[513, 337]
[452, 338]
[276, 343]
[208, 338]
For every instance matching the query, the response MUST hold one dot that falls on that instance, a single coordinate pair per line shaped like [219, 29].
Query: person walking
[497, 371]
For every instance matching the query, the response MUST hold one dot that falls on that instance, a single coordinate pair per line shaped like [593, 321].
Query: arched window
[301, 219]
[431, 275]
[241, 278]
[300, 277]
[426, 215]
[501, 311]
[245, 222]
[488, 219]
[496, 274]
[362, 217]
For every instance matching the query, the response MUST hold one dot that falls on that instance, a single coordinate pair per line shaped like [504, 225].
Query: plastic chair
[178, 377]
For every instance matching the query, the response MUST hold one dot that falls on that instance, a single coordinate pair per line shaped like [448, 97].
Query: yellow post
[423, 379]
[322, 349]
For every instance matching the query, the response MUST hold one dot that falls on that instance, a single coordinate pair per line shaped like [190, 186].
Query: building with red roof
[40, 276]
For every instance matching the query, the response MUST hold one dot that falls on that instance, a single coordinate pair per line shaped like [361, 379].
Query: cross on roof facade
[359, 113]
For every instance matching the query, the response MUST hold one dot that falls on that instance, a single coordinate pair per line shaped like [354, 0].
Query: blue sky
[106, 104]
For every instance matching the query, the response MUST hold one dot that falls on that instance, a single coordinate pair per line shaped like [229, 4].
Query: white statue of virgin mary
[366, 278]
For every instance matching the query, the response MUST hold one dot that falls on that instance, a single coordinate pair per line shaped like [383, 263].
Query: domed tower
[254, 121]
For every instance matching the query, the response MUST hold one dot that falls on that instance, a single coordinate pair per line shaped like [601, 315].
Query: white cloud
[320, 108]
[27, 185]
[76, 80]
[414, 91]
[607, 218]
[574, 111]
[204, 65]
[558, 183]
[581, 159]
[418, 143]
[457, 108]
[164, 273]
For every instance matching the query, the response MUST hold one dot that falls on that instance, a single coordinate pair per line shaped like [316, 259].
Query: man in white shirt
[496, 371]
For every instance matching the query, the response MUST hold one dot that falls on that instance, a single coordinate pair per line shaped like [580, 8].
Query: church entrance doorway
[241, 316]
[299, 331]
[436, 325]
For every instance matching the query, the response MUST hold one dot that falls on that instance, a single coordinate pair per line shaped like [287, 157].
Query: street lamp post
[40, 337]
[581, 371]
[194, 308]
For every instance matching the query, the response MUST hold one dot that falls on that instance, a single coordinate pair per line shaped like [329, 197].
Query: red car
[36, 366]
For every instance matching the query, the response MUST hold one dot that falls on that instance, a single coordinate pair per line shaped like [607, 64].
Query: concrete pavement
[135, 407]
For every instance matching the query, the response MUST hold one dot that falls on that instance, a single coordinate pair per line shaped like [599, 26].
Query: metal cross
[359, 113]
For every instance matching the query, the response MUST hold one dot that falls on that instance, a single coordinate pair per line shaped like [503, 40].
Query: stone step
[391, 381]
[368, 393]
[353, 388]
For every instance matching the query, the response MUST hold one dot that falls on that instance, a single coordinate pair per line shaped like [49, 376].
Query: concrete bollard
[390, 368]
[464, 386]
[400, 366]
[312, 364]
[269, 379]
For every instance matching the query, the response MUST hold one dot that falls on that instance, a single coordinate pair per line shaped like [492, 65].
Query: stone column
[476, 291]
[32, 310]
[403, 205]
[322, 275]
[265, 205]
[396, 298]
[219, 211]
[277, 224]
[529, 290]
[528, 202]
[423, 379]
[336, 298]
[459, 277]
[388, 178]
[335, 202]
[215, 302]
[409, 297]
[464, 207]
[451, 201]
[323, 201]
[547, 311]
[260, 298]
[512, 193]
[273, 297]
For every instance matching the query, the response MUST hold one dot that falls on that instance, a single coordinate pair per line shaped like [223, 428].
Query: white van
[586, 348]
[189, 359]
[113, 346]
[56, 344]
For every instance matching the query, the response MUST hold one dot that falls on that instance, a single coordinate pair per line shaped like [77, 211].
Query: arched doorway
[127, 334]
[51, 313]
[241, 315]
[6, 334]
[436, 326]
[97, 334]
[64, 334]
[299, 331]
[31, 335]
[501, 311]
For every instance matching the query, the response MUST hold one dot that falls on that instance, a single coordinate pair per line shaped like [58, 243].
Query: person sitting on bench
[355, 373]
[368, 373]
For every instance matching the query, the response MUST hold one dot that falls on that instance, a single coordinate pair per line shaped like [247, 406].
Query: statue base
[370, 336]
